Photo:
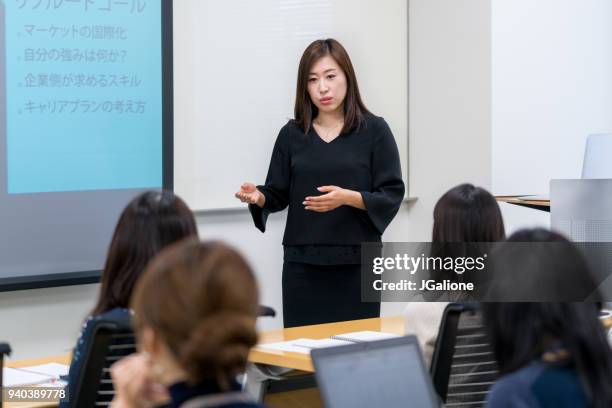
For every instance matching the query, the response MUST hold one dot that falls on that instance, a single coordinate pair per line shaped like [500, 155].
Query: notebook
[385, 373]
[305, 346]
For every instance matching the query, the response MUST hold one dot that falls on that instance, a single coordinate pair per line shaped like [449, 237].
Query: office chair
[463, 367]
[266, 311]
[5, 350]
[112, 339]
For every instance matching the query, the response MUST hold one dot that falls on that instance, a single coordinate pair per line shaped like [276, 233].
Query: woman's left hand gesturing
[335, 197]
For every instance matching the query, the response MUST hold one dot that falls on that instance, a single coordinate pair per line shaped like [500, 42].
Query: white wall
[449, 125]
[552, 86]
[233, 92]
[449, 109]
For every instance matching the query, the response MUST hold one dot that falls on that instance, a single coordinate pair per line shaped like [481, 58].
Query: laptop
[385, 373]
[597, 154]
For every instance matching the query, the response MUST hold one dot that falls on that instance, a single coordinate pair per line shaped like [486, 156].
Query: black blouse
[366, 161]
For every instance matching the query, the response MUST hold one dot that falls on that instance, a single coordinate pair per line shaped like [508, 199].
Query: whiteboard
[235, 71]
[551, 88]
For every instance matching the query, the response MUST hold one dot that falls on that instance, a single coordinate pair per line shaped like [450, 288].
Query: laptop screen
[387, 373]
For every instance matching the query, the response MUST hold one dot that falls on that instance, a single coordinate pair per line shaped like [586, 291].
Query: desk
[542, 205]
[298, 361]
[258, 355]
[394, 324]
[62, 359]
[307, 397]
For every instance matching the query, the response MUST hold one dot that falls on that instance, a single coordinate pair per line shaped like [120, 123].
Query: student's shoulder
[514, 389]
[118, 314]
[424, 310]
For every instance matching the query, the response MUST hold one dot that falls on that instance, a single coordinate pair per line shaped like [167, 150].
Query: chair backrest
[265, 311]
[5, 350]
[112, 340]
[463, 366]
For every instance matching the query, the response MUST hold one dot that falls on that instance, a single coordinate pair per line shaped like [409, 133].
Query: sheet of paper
[54, 370]
[14, 377]
[538, 197]
[320, 343]
[303, 345]
[360, 336]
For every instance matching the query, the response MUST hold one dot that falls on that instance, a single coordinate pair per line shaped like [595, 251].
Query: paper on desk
[54, 370]
[303, 345]
[366, 335]
[14, 377]
[537, 197]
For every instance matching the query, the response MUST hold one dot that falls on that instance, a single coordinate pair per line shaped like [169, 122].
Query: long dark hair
[467, 220]
[538, 265]
[466, 213]
[521, 332]
[305, 109]
[150, 222]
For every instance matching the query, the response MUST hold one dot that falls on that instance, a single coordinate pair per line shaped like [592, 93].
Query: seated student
[197, 340]
[527, 268]
[550, 354]
[150, 222]
[465, 213]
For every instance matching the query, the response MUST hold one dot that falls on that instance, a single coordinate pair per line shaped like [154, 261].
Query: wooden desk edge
[61, 359]
[295, 361]
[516, 200]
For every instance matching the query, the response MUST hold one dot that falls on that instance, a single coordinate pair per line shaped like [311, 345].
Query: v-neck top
[320, 137]
[366, 160]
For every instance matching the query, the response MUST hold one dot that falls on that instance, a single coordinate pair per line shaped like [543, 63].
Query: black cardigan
[366, 161]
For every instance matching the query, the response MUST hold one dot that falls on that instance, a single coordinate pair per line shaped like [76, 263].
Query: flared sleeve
[277, 186]
[387, 192]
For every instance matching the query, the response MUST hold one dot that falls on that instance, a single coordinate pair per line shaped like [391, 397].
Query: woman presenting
[336, 166]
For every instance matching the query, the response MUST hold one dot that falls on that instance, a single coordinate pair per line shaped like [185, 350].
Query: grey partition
[581, 209]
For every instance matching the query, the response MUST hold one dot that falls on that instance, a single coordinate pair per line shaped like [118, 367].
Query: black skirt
[314, 294]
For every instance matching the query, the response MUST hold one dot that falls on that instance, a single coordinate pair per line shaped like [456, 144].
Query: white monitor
[597, 162]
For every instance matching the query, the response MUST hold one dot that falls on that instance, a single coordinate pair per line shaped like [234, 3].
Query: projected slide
[84, 128]
[83, 95]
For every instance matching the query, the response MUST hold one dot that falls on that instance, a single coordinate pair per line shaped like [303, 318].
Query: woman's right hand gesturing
[248, 193]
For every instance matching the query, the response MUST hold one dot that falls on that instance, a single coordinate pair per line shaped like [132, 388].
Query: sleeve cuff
[373, 211]
[260, 216]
